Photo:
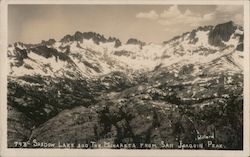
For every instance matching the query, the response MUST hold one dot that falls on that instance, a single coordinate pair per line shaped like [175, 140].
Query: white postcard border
[107, 152]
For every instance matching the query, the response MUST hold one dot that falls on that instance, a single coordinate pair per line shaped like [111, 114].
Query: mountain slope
[86, 87]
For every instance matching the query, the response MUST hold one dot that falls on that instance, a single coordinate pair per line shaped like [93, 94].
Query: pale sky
[149, 23]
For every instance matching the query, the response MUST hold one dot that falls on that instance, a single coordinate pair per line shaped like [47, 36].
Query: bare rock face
[78, 125]
[19, 127]
[221, 33]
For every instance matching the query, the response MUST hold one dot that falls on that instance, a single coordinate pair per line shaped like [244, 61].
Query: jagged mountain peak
[48, 42]
[79, 36]
[216, 37]
[135, 42]
[221, 33]
[190, 35]
[96, 37]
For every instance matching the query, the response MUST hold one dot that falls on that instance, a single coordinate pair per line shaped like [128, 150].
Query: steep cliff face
[87, 87]
[222, 33]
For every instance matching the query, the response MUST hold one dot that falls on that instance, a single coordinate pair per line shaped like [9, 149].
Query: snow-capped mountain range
[86, 87]
[90, 54]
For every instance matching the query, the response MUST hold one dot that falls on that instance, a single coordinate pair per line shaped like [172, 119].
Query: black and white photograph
[166, 77]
